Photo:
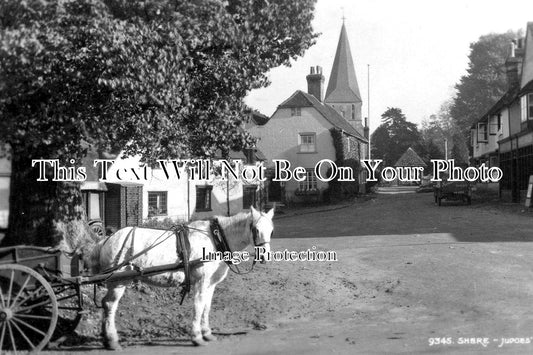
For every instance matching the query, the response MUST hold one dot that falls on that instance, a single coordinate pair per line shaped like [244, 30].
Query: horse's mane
[236, 224]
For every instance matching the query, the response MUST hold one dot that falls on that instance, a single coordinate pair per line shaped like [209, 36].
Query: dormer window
[526, 105]
[296, 111]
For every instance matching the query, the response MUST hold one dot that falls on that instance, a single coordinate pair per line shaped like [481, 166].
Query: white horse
[240, 231]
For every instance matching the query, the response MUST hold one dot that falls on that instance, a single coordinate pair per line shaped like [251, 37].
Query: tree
[394, 136]
[156, 78]
[485, 81]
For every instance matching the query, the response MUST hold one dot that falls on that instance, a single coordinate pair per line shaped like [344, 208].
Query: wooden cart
[40, 294]
[453, 190]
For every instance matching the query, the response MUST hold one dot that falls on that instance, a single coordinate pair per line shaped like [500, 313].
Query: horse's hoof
[198, 341]
[209, 337]
[113, 345]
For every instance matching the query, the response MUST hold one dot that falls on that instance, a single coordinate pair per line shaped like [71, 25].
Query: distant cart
[453, 190]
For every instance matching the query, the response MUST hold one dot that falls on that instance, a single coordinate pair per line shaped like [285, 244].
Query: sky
[414, 50]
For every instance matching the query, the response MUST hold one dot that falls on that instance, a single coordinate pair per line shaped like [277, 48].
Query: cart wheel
[28, 309]
[97, 227]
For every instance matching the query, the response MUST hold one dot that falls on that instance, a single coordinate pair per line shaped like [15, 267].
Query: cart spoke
[33, 306]
[2, 297]
[24, 336]
[14, 301]
[10, 288]
[13, 344]
[32, 316]
[29, 326]
[29, 296]
[2, 335]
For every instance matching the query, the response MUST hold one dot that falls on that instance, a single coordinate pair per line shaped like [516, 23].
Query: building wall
[279, 139]
[181, 193]
[514, 118]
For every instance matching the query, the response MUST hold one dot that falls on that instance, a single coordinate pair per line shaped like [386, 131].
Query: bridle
[255, 232]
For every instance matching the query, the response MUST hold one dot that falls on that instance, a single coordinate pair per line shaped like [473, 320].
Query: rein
[133, 257]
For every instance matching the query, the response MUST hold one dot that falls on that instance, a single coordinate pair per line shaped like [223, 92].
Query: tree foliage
[155, 78]
[485, 81]
[167, 77]
[394, 136]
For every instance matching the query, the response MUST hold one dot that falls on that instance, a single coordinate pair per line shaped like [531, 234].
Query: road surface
[411, 277]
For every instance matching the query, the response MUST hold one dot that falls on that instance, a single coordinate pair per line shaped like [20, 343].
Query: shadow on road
[402, 214]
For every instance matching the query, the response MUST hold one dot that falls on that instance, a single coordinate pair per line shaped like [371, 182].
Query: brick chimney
[315, 83]
[513, 64]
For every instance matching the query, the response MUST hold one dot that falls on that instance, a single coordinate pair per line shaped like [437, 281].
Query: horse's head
[262, 229]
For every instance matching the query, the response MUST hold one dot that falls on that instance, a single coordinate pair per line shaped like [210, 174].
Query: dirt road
[410, 277]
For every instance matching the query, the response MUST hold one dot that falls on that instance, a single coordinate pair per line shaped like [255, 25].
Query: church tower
[343, 91]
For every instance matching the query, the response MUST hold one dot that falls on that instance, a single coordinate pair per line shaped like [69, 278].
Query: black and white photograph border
[266, 176]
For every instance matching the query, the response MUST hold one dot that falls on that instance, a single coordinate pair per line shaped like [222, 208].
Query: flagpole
[368, 108]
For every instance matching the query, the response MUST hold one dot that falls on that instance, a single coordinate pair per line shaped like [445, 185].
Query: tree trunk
[44, 213]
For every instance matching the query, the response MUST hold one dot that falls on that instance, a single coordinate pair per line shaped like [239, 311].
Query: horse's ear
[270, 214]
[255, 213]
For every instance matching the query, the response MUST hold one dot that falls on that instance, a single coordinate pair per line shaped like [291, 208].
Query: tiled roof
[258, 118]
[302, 99]
[528, 88]
[342, 85]
[410, 158]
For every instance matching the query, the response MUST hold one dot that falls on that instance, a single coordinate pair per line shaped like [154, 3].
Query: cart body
[453, 190]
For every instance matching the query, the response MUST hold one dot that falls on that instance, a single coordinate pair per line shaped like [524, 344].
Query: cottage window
[310, 182]
[203, 198]
[296, 111]
[482, 136]
[526, 105]
[249, 196]
[157, 203]
[495, 124]
[307, 142]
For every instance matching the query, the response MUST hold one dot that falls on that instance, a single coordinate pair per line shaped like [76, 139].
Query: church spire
[342, 85]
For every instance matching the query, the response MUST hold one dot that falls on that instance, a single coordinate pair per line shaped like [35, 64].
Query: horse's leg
[206, 330]
[110, 305]
[199, 305]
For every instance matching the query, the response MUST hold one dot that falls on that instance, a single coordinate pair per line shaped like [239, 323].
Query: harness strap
[131, 233]
[133, 257]
[183, 250]
[221, 244]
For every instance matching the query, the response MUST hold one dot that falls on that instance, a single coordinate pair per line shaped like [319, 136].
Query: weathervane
[343, 18]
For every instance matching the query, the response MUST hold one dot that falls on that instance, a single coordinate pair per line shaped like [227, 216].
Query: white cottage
[307, 128]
